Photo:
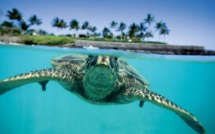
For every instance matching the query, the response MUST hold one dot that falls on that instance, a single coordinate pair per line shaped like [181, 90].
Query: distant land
[143, 47]
[153, 48]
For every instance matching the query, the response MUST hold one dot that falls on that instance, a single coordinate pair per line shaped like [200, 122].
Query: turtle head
[100, 76]
[102, 61]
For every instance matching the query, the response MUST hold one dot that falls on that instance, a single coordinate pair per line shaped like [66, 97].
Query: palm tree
[163, 30]
[121, 28]
[149, 19]
[34, 20]
[14, 15]
[106, 32]
[92, 29]
[42, 32]
[133, 29]
[160, 25]
[8, 25]
[113, 25]
[142, 30]
[56, 22]
[59, 23]
[74, 24]
[86, 26]
[2, 31]
[24, 26]
[148, 34]
[16, 31]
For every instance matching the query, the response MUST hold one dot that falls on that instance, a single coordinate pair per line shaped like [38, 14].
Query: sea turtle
[99, 80]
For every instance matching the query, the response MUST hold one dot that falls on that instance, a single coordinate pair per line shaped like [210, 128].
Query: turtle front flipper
[40, 76]
[133, 94]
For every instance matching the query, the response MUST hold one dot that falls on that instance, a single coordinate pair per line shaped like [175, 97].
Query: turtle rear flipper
[43, 84]
[141, 103]
[40, 76]
[133, 94]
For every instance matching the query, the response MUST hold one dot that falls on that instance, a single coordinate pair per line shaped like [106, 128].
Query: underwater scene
[188, 81]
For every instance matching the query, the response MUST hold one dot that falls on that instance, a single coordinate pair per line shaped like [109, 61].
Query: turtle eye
[113, 61]
[90, 56]
[91, 61]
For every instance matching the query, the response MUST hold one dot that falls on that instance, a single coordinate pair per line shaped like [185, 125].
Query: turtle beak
[103, 64]
[103, 60]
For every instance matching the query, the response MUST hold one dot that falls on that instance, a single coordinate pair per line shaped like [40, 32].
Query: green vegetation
[121, 41]
[47, 40]
[135, 32]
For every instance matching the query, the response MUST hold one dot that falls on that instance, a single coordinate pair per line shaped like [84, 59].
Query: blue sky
[191, 22]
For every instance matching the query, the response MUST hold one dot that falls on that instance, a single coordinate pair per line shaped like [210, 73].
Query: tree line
[135, 31]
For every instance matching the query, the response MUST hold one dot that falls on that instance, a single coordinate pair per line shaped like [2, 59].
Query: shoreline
[164, 49]
[153, 48]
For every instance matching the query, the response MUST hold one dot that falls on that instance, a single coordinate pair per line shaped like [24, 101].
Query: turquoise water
[187, 81]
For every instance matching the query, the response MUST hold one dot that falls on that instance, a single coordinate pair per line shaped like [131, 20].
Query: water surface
[186, 80]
